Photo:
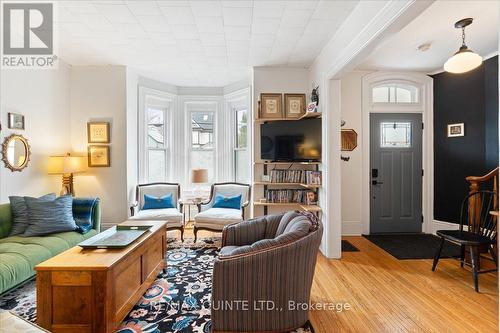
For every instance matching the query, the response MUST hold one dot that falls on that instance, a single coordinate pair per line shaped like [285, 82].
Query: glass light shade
[66, 164]
[463, 61]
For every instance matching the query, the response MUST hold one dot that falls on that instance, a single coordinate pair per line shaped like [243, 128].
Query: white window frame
[238, 100]
[164, 101]
[235, 134]
[200, 105]
[402, 83]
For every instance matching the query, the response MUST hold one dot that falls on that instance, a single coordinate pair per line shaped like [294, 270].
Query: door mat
[413, 246]
[348, 247]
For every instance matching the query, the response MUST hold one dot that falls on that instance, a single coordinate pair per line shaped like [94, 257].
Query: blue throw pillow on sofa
[48, 217]
[83, 212]
[221, 201]
[151, 202]
[20, 212]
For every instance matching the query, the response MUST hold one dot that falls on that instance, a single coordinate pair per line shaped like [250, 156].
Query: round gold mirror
[15, 152]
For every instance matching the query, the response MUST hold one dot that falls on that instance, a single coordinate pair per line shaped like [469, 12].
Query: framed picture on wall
[98, 132]
[295, 105]
[98, 156]
[456, 130]
[16, 121]
[270, 106]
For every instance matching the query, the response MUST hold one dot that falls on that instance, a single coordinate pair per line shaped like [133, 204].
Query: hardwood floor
[390, 295]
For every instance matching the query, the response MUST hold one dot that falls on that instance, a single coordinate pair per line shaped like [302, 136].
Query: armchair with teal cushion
[225, 206]
[19, 255]
[167, 208]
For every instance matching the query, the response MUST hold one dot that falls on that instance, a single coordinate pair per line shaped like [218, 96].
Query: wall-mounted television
[291, 141]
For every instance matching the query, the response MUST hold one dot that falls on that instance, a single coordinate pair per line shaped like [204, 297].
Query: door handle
[375, 182]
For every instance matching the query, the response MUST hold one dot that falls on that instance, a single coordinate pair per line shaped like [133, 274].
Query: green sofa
[19, 255]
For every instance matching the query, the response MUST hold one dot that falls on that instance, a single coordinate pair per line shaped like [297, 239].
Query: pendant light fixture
[465, 59]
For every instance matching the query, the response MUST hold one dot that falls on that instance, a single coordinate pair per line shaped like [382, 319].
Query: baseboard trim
[352, 228]
[442, 225]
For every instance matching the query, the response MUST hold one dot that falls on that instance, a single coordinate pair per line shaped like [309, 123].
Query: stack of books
[295, 176]
[291, 196]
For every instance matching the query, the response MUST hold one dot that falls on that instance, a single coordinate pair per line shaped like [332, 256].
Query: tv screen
[290, 141]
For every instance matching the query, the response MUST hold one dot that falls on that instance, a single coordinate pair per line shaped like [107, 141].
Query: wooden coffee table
[92, 290]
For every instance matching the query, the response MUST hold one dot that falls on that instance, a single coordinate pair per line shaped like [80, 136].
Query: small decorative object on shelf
[270, 105]
[311, 107]
[315, 95]
[295, 105]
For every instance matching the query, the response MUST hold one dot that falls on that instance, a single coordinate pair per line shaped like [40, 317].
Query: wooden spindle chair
[477, 229]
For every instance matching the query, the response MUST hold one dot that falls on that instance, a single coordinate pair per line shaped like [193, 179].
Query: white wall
[98, 93]
[351, 171]
[42, 96]
[367, 24]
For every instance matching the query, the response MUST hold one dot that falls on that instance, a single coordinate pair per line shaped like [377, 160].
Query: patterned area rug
[173, 242]
[178, 301]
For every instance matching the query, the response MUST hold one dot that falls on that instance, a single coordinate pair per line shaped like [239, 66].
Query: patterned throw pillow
[151, 202]
[227, 202]
[20, 212]
[48, 217]
[83, 212]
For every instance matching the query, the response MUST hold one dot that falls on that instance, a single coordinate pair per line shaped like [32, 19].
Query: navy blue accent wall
[470, 98]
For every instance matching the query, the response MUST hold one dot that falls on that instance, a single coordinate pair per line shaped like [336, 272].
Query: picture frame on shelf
[455, 130]
[98, 156]
[295, 105]
[271, 105]
[98, 132]
[15, 121]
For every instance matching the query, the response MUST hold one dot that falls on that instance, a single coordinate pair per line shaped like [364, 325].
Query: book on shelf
[307, 197]
[308, 177]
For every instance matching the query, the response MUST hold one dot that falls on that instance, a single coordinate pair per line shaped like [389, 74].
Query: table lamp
[66, 166]
[198, 176]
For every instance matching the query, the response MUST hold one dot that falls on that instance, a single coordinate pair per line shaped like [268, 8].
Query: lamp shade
[463, 61]
[199, 176]
[66, 164]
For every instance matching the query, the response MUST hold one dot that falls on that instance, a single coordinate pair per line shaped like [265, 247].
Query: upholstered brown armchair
[264, 271]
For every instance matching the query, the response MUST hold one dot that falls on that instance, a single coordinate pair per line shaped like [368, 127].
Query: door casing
[425, 85]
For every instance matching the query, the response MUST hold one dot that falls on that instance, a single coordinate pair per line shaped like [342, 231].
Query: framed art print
[16, 121]
[270, 106]
[98, 132]
[98, 156]
[455, 130]
[295, 105]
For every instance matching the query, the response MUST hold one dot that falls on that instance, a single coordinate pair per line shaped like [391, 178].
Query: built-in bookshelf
[295, 188]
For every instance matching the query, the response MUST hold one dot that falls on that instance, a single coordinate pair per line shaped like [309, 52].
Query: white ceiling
[197, 43]
[436, 26]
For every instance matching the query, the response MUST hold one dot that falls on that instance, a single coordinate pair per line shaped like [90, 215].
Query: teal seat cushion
[19, 255]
